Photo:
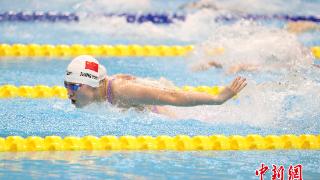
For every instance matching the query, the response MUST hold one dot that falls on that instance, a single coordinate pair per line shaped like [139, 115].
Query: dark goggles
[71, 86]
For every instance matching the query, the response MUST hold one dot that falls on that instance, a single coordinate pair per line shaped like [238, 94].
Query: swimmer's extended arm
[134, 94]
[302, 26]
[205, 66]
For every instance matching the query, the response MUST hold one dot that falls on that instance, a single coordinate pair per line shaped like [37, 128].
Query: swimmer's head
[85, 70]
[83, 78]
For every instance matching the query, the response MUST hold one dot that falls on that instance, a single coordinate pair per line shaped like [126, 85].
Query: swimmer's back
[131, 91]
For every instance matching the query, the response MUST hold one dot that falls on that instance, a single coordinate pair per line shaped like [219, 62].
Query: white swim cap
[85, 70]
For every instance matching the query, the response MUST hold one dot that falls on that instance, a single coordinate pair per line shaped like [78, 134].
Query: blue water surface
[295, 113]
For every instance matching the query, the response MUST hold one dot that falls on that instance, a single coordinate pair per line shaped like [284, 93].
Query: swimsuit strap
[109, 93]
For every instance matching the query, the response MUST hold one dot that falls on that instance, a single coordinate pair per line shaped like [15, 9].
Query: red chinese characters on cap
[92, 66]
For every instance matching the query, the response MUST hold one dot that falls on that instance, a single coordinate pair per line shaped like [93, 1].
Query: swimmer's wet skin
[86, 81]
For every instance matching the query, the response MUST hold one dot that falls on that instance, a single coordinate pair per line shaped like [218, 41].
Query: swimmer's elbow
[221, 101]
[192, 99]
[188, 99]
[176, 99]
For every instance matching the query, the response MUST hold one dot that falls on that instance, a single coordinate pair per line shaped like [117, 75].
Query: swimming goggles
[72, 87]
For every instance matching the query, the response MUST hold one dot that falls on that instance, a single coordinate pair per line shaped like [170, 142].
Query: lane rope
[51, 16]
[282, 17]
[36, 50]
[176, 143]
[42, 91]
[48, 50]
[139, 18]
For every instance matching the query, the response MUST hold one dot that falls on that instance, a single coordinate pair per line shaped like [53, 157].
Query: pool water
[152, 165]
[274, 102]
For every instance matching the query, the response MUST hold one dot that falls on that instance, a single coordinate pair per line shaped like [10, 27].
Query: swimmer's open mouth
[73, 101]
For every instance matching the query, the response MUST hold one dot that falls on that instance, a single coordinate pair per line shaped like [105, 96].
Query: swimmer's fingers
[238, 84]
[234, 83]
[241, 84]
[232, 86]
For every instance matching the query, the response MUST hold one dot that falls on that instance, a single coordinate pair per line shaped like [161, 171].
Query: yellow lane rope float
[36, 50]
[41, 91]
[47, 50]
[316, 51]
[176, 143]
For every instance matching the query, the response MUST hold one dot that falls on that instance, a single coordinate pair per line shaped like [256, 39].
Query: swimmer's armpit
[163, 110]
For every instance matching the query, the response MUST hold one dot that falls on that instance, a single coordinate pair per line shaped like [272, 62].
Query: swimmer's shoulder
[121, 81]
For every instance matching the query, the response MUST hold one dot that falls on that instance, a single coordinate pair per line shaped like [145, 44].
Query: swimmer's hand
[233, 89]
[237, 85]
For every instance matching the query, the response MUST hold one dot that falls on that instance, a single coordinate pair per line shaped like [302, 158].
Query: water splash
[255, 6]
[247, 43]
[99, 6]
[279, 94]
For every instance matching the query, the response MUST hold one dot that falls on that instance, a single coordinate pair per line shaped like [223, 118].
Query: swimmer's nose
[70, 93]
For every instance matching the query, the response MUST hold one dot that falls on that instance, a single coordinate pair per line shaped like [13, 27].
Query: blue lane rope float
[163, 142]
[155, 18]
[282, 17]
[28, 16]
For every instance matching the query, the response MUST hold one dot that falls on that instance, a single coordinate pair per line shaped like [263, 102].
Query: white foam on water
[291, 103]
[279, 54]
[96, 6]
[251, 44]
[256, 6]
[252, 107]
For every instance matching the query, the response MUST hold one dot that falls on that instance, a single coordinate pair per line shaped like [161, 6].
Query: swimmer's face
[80, 94]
